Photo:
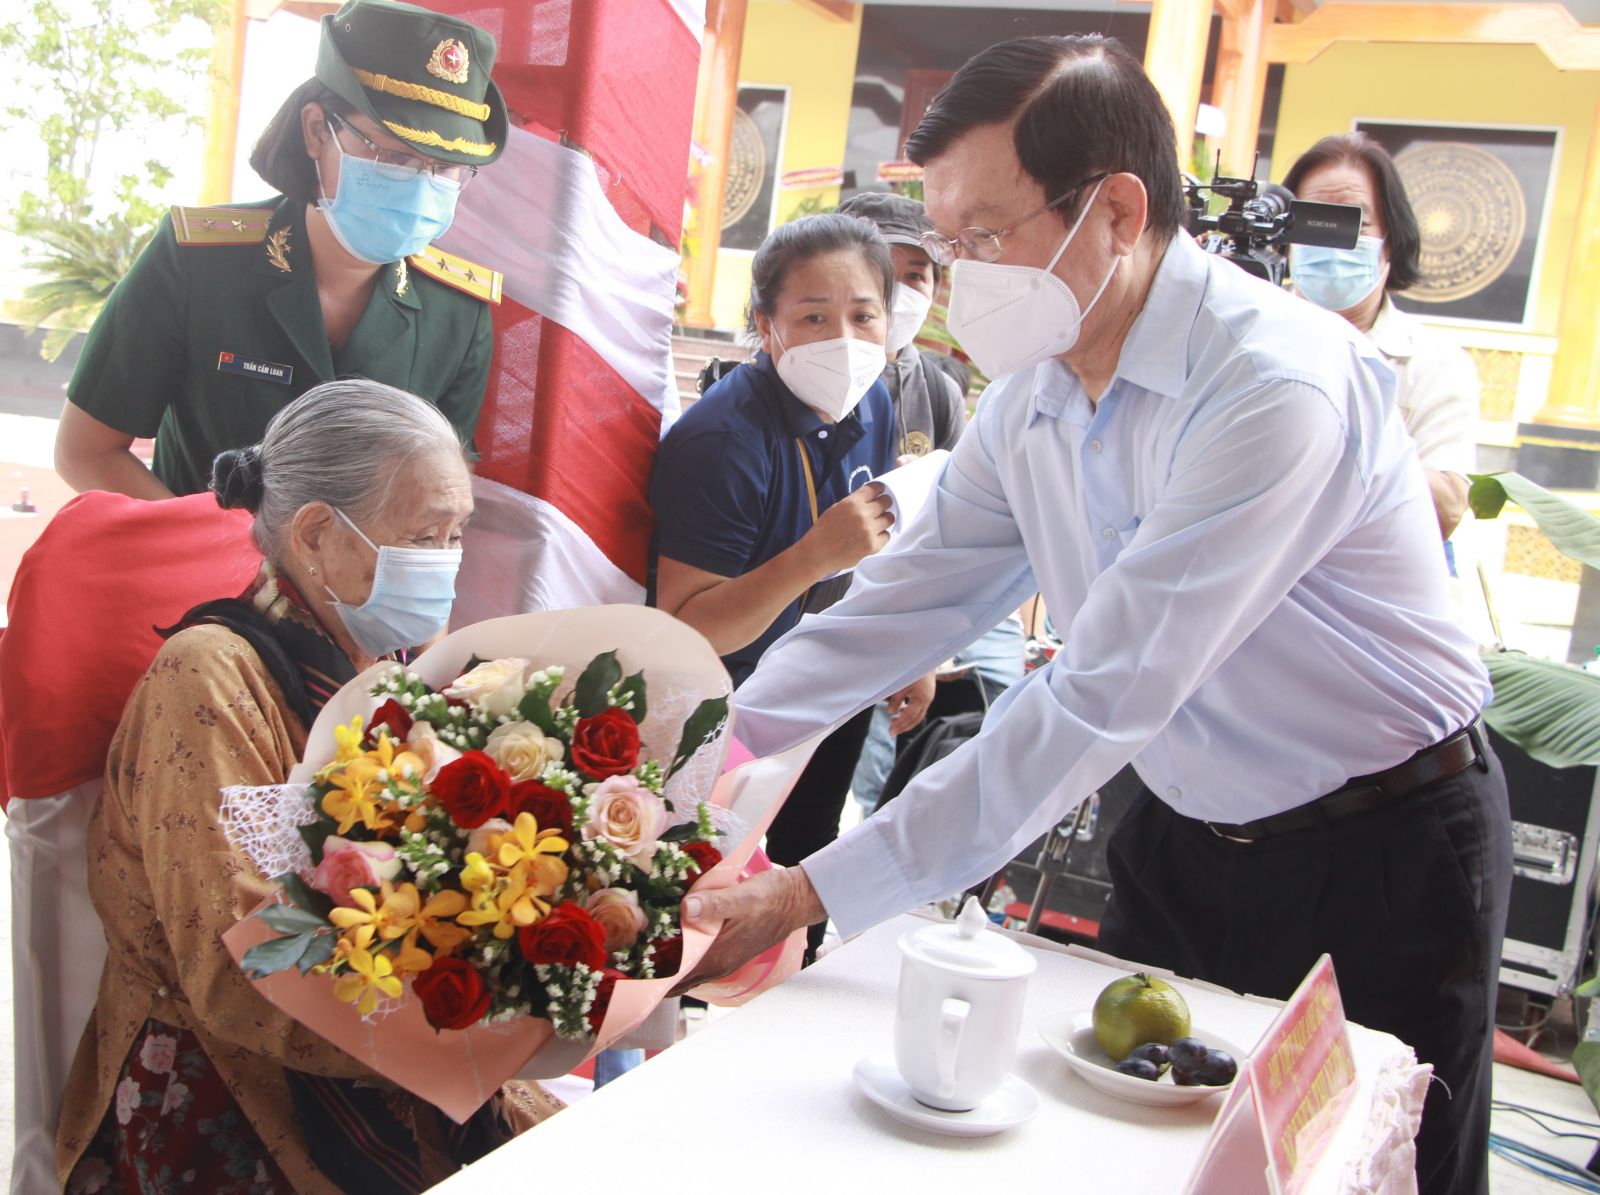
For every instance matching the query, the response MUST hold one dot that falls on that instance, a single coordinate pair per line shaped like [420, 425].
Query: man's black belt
[1363, 794]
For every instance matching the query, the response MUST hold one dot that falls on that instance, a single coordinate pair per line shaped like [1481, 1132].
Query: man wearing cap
[232, 312]
[930, 408]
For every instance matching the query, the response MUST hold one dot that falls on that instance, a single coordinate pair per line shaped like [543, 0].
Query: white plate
[1012, 1103]
[1078, 1046]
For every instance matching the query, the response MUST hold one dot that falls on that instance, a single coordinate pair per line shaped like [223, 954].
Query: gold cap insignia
[449, 61]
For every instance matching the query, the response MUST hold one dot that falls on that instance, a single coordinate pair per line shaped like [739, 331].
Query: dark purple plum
[1184, 1078]
[1188, 1053]
[1139, 1069]
[1219, 1069]
[1153, 1052]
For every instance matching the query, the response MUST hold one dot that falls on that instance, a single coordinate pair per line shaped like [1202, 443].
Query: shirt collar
[1155, 356]
[1393, 332]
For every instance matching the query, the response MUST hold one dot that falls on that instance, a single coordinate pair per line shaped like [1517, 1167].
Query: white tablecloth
[763, 1101]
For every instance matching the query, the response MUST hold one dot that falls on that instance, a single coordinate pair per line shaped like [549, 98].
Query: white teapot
[959, 1010]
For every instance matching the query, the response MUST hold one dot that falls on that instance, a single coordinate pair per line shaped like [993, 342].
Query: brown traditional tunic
[167, 884]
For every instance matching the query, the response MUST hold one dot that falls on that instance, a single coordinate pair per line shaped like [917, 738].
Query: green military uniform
[218, 327]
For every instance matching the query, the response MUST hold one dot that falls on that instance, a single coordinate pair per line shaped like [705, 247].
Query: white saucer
[1078, 1046]
[1012, 1103]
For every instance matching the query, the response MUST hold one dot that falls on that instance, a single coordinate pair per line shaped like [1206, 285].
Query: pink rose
[478, 840]
[618, 912]
[628, 815]
[158, 1053]
[346, 865]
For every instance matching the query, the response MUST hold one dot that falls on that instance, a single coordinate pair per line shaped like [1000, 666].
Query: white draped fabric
[542, 218]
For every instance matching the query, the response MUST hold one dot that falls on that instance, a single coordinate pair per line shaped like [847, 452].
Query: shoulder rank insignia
[220, 225]
[478, 281]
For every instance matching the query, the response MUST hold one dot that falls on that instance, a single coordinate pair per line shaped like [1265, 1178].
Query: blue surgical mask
[1337, 279]
[380, 216]
[412, 592]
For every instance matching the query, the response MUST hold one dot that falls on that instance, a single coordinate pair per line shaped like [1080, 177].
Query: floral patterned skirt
[174, 1126]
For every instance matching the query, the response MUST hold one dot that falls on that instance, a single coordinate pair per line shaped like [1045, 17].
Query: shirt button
[823, 434]
[162, 992]
[1109, 532]
[1174, 792]
[1095, 446]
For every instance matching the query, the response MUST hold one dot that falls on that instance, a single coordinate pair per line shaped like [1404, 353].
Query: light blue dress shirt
[1238, 544]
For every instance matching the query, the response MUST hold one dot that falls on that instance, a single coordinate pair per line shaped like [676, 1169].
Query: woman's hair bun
[236, 478]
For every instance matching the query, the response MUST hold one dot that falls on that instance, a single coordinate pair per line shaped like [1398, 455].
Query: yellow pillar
[716, 99]
[222, 125]
[1574, 398]
[1175, 59]
[1240, 82]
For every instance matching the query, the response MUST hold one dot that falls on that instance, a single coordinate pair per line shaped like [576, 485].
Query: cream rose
[478, 840]
[425, 744]
[618, 912]
[628, 815]
[523, 750]
[495, 687]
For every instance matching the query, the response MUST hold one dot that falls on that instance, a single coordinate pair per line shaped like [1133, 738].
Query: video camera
[1260, 218]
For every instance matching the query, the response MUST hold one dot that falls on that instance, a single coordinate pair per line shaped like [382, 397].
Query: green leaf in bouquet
[319, 952]
[472, 662]
[1550, 710]
[287, 919]
[593, 691]
[681, 833]
[536, 709]
[302, 896]
[268, 958]
[630, 695]
[315, 835]
[698, 730]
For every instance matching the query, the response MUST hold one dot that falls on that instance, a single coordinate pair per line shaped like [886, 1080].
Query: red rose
[607, 744]
[550, 808]
[453, 994]
[568, 936]
[393, 715]
[472, 789]
[668, 958]
[705, 857]
[602, 997]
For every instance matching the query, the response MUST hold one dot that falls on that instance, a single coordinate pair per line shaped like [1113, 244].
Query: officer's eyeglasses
[983, 244]
[398, 164]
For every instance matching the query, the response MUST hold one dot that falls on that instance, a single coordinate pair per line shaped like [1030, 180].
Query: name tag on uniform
[250, 367]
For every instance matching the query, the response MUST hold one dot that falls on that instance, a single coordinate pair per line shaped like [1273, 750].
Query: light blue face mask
[1337, 279]
[412, 592]
[381, 216]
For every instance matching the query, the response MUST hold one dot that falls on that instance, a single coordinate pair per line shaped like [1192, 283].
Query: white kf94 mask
[1011, 317]
[830, 376]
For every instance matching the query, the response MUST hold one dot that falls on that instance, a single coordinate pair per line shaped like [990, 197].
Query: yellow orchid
[477, 875]
[388, 920]
[357, 796]
[526, 841]
[435, 922]
[514, 899]
[402, 767]
[370, 975]
[411, 958]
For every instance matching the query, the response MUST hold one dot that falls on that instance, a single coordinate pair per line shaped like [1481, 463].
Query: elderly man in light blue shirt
[1210, 484]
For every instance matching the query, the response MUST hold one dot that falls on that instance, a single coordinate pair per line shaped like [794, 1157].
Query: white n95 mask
[830, 376]
[1010, 317]
[907, 313]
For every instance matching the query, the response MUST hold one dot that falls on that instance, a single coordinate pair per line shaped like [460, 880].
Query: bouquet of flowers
[502, 842]
[480, 859]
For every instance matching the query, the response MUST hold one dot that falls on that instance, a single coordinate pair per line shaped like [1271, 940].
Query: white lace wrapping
[265, 824]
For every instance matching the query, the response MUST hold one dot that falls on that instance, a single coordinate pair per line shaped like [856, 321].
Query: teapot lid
[969, 945]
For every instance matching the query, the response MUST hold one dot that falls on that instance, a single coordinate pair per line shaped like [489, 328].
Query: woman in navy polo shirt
[763, 491]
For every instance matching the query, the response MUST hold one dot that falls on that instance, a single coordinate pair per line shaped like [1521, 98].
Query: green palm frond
[78, 264]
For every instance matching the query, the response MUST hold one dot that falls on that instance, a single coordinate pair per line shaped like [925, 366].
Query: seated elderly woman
[187, 1078]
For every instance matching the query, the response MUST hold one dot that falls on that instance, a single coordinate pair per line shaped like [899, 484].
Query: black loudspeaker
[1553, 840]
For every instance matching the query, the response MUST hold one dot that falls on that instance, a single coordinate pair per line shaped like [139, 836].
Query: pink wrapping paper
[458, 1070]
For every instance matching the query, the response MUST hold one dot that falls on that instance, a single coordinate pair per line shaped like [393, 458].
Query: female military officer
[231, 313]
